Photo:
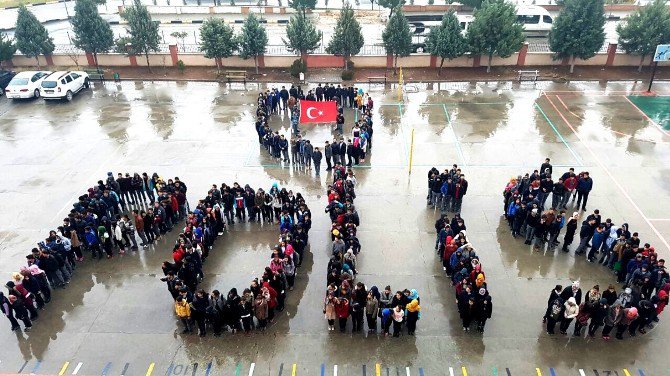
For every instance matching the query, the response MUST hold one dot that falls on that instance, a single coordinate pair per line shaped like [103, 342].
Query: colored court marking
[654, 109]
[295, 366]
[77, 368]
[538, 371]
[639, 370]
[237, 369]
[407, 371]
[150, 370]
[23, 366]
[63, 368]
[451, 371]
[611, 176]
[323, 369]
[560, 136]
[465, 371]
[508, 372]
[421, 372]
[106, 369]
[209, 369]
[581, 372]
[625, 372]
[378, 369]
[335, 370]
[365, 370]
[495, 371]
[37, 367]
[608, 129]
[281, 369]
[251, 369]
[125, 369]
[553, 373]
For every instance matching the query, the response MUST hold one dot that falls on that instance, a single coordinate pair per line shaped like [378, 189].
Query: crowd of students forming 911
[643, 277]
[257, 304]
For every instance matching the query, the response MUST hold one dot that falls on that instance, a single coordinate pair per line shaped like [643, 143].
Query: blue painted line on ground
[458, 143]
[553, 373]
[281, 369]
[209, 369]
[37, 367]
[639, 370]
[323, 369]
[560, 136]
[23, 366]
[169, 370]
[106, 369]
[420, 371]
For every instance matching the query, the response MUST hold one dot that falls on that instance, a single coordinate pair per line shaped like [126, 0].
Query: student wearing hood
[483, 309]
[614, 316]
[629, 316]
[386, 321]
[572, 291]
[570, 229]
[413, 315]
[569, 313]
[553, 295]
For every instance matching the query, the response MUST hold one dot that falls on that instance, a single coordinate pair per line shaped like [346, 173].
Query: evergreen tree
[143, 30]
[645, 29]
[347, 40]
[92, 33]
[302, 5]
[578, 31]
[253, 39]
[217, 40]
[446, 40]
[302, 35]
[7, 48]
[495, 31]
[397, 37]
[32, 38]
[391, 4]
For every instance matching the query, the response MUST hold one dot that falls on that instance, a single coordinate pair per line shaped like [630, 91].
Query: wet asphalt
[116, 317]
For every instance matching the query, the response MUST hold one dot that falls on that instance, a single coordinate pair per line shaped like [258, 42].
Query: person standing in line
[317, 156]
[570, 229]
[569, 313]
[371, 311]
[584, 187]
[308, 151]
[398, 317]
[342, 310]
[413, 315]
[328, 151]
[350, 153]
[555, 294]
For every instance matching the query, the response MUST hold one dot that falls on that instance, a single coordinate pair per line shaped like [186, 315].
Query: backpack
[556, 309]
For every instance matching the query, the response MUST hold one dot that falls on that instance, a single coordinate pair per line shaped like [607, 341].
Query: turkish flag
[318, 112]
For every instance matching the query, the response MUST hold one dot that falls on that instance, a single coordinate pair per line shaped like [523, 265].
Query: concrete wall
[327, 61]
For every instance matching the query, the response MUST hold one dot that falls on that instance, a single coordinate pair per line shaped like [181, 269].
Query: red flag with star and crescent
[318, 112]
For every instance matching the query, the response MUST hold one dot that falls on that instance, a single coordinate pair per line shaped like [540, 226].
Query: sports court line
[646, 116]
[565, 142]
[402, 133]
[453, 132]
[607, 171]
[608, 129]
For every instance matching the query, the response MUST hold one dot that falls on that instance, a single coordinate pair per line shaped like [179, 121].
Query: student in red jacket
[342, 311]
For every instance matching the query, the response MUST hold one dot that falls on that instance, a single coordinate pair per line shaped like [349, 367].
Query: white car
[59, 85]
[26, 85]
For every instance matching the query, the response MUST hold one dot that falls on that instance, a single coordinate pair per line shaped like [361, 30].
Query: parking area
[116, 317]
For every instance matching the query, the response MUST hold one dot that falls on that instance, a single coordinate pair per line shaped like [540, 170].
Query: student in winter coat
[570, 229]
[553, 295]
[615, 314]
[386, 321]
[572, 292]
[342, 311]
[555, 314]
[483, 310]
[183, 311]
[330, 312]
[629, 316]
[413, 315]
[569, 313]
[398, 315]
[371, 312]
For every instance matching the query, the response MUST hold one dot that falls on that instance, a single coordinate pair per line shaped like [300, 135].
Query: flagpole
[411, 152]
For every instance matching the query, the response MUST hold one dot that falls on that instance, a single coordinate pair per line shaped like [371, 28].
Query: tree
[446, 40]
[397, 37]
[7, 48]
[181, 35]
[217, 40]
[578, 31]
[302, 35]
[494, 31]
[143, 30]
[347, 40]
[253, 39]
[32, 38]
[391, 4]
[645, 29]
[302, 5]
[92, 33]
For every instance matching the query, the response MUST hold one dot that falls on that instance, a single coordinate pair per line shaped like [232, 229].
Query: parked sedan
[26, 85]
